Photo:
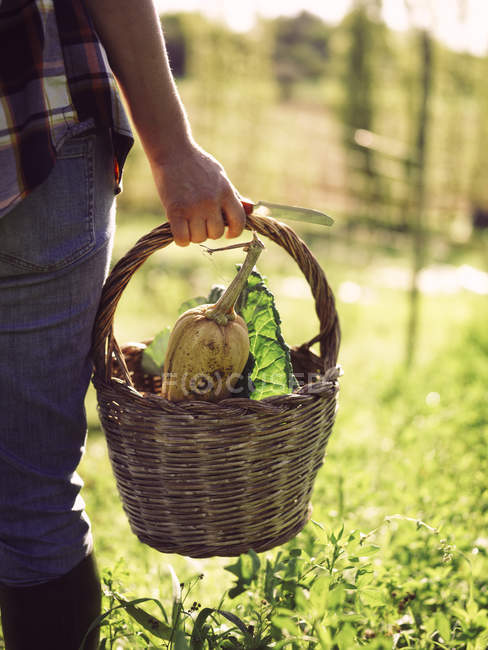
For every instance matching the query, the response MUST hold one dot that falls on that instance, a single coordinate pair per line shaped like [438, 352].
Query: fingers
[179, 228]
[195, 224]
[198, 198]
[235, 215]
[198, 229]
[215, 224]
[205, 220]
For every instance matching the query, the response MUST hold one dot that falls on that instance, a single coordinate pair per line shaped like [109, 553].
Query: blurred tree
[222, 62]
[479, 171]
[416, 180]
[232, 87]
[364, 59]
[365, 35]
[458, 137]
[175, 37]
[300, 50]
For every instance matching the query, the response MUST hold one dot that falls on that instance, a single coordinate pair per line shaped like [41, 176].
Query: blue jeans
[54, 254]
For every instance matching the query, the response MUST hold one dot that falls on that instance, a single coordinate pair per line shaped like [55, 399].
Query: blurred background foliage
[385, 130]
[347, 103]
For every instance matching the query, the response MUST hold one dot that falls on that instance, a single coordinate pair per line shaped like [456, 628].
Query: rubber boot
[54, 615]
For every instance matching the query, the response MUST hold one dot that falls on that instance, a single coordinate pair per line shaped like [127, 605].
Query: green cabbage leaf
[272, 372]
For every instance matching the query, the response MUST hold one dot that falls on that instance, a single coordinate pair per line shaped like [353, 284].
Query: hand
[197, 196]
[193, 187]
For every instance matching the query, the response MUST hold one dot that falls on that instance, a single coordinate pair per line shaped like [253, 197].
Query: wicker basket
[215, 479]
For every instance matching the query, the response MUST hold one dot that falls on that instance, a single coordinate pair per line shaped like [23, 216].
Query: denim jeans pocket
[43, 235]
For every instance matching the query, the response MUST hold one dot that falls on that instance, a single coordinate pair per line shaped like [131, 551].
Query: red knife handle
[248, 206]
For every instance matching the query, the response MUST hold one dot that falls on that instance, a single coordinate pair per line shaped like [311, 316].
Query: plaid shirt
[55, 81]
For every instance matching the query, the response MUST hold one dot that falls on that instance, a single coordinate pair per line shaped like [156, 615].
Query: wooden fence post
[419, 233]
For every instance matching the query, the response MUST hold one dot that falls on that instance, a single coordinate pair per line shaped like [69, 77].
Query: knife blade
[286, 212]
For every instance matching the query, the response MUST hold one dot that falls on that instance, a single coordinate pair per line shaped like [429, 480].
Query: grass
[398, 553]
[404, 479]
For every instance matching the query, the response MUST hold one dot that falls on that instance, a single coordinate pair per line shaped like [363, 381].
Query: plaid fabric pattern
[54, 82]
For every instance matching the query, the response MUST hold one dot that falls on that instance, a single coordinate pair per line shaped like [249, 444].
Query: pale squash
[209, 344]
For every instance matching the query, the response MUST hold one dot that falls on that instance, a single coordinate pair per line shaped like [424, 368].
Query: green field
[397, 553]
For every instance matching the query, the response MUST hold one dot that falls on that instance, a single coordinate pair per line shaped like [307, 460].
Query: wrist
[165, 135]
[162, 151]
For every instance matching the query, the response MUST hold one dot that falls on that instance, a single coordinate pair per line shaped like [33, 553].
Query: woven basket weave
[208, 479]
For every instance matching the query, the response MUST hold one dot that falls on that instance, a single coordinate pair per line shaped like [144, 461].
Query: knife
[286, 212]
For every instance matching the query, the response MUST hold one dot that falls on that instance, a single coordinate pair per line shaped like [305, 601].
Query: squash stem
[223, 310]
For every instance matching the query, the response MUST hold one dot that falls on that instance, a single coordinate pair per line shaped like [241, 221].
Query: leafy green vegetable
[215, 292]
[153, 355]
[272, 373]
[268, 370]
[192, 302]
[244, 385]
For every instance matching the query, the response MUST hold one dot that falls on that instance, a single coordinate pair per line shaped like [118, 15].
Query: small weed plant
[334, 590]
[362, 578]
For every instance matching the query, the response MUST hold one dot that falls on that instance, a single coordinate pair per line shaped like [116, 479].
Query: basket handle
[329, 333]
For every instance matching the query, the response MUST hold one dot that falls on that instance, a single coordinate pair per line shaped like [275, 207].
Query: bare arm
[192, 185]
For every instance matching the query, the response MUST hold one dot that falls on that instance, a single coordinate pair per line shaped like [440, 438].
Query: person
[64, 137]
